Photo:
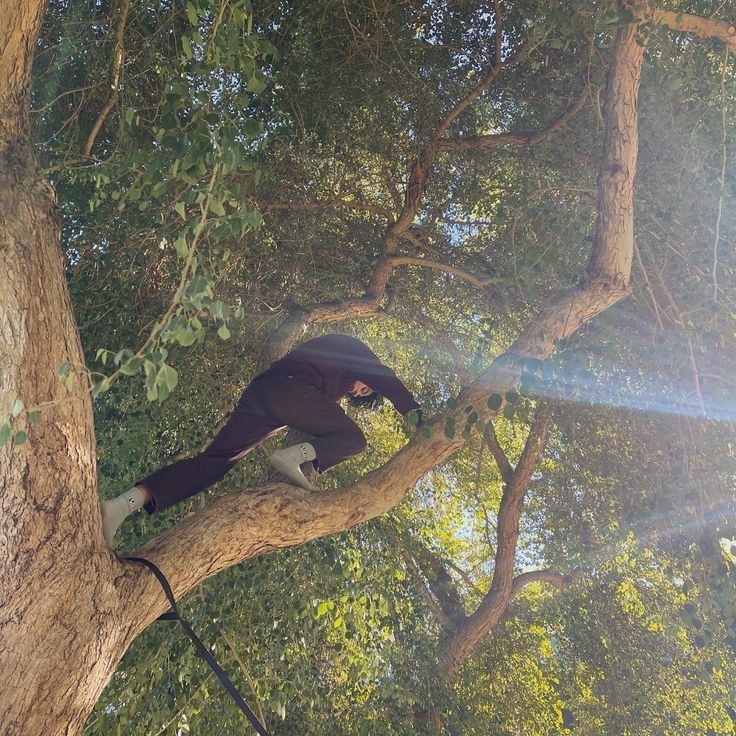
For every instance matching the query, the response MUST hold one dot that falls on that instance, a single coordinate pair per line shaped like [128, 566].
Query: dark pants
[268, 405]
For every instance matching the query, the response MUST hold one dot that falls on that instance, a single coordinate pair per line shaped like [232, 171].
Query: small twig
[696, 377]
[723, 177]
[185, 706]
[649, 286]
[59, 96]
[504, 466]
[521, 138]
[443, 619]
[216, 27]
[246, 674]
[497, 32]
[465, 577]
[116, 67]
[481, 280]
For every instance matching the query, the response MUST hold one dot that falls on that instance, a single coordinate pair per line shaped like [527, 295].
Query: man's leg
[246, 428]
[187, 477]
[304, 407]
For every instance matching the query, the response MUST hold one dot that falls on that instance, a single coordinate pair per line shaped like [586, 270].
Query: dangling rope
[173, 615]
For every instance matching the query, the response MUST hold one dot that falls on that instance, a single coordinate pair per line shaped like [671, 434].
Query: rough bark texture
[697, 25]
[59, 639]
[610, 261]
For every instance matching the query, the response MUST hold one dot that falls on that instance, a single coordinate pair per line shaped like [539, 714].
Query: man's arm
[381, 378]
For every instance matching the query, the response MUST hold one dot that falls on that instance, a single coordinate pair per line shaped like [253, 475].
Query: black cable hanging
[173, 615]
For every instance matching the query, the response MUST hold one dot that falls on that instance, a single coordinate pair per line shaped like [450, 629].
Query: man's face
[360, 389]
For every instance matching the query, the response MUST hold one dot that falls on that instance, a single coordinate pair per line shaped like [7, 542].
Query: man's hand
[413, 420]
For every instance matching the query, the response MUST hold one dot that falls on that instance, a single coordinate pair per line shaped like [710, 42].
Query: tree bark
[60, 638]
[699, 26]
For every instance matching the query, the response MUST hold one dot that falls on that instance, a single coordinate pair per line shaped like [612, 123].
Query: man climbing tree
[299, 391]
[426, 138]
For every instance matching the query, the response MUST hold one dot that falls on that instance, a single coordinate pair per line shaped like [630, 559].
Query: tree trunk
[59, 638]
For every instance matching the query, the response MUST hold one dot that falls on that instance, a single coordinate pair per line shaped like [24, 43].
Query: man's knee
[354, 442]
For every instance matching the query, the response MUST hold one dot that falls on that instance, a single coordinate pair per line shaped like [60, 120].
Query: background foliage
[253, 158]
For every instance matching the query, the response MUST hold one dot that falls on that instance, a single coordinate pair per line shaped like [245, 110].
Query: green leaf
[192, 14]
[181, 209]
[100, 387]
[122, 356]
[322, 609]
[224, 332]
[494, 402]
[185, 337]
[17, 408]
[34, 418]
[66, 365]
[182, 249]
[449, 428]
[217, 208]
[512, 396]
[452, 403]
[411, 419]
[509, 411]
[131, 367]
[20, 437]
[186, 47]
[69, 383]
[168, 377]
[5, 433]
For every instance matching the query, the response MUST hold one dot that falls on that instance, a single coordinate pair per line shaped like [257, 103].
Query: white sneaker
[288, 460]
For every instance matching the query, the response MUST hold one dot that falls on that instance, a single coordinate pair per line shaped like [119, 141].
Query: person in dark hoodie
[301, 391]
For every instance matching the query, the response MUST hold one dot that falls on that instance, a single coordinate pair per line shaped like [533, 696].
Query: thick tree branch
[518, 139]
[555, 579]
[468, 100]
[609, 271]
[49, 521]
[697, 25]
[117, 65]
[613, 247]
[296, 324]
[461, 643]
[480, 280]
[533, 448]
